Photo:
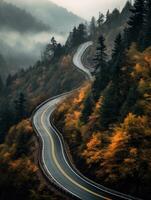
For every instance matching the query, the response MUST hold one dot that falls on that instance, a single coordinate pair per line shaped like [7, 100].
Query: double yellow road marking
[58, 165]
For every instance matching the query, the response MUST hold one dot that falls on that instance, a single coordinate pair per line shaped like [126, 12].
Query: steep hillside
[113, 154]
[108, 126]
[19, 171]
[114, 24]
[9, 15]
[18, 161]
[60, 19]
[22, 41]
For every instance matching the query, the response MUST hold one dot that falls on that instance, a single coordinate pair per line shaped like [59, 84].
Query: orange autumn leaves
[92, 153]
[8, 150]
[117, 153]
[72, 107]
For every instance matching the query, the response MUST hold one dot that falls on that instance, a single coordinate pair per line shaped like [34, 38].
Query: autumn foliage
[118, 156]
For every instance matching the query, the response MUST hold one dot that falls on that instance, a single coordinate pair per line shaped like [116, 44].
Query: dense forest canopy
[106, 123]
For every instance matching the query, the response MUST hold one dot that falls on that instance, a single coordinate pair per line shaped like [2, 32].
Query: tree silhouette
[100, 20]
[136, 22]
[101, 56]
[147, 25]
[20, 106]
[118, 54]
[101, 67]
[93, 27]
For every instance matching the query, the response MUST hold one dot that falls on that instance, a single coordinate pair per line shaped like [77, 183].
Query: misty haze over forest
[26, 27]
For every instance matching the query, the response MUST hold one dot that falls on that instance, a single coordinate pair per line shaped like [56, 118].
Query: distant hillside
[110, 118]
[59, 18]
[12, 17]
[116, 23]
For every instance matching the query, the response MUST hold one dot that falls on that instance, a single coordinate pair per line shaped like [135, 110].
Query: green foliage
[101, 68]
[147, 26]
[77, 36]
[88, 106]
[135, 32]
[110, 108]
[100, 20]
[93, 27]
[20, 107]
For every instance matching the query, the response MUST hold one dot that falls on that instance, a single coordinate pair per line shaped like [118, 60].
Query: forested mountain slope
[9, 15]
[108, 125]
[60, 19]
[53, 74]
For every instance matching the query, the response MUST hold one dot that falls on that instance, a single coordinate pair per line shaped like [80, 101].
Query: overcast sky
[88, 8]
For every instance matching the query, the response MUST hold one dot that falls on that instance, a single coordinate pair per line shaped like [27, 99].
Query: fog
[22, 50]
[24, 34]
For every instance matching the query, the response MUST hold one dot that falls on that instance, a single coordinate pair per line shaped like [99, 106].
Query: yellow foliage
[72, 119]
[94, 141]
[93, 152]
[132, 123]
[81, 94]
[25, 164]
[116, 142]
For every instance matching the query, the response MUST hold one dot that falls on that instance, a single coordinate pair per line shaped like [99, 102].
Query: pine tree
[58, 51]
[53, 43]
[20, 106]
[74, 36]
[147, 25]
[101, 68]
[116, 91]
[117, 61]
[100, 20]
[93, 27]
[136, 22]
[107, 15]
[81, 33]
[101, 56]
[88, 107]
[110, 106]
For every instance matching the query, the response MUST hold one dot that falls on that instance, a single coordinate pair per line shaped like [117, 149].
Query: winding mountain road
[54, 159]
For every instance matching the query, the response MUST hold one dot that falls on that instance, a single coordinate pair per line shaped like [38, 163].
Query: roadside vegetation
[108, 126]
[53, 74]
[107, 123]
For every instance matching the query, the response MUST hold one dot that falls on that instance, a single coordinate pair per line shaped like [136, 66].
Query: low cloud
[23, 50]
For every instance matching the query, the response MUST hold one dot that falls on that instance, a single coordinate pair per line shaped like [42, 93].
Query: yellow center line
[58, 165]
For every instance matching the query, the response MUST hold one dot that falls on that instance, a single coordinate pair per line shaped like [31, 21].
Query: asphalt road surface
[54, 159]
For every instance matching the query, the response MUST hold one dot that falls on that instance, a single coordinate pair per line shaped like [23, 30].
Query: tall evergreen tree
[101, 67]
[20, 106]
[74, 36]
[93, 27]
[136, 22]
[101, 56]
[100, 20]
[81, 33]
[118, 55]
[107, 15]
[53, 43]
[147, 25]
